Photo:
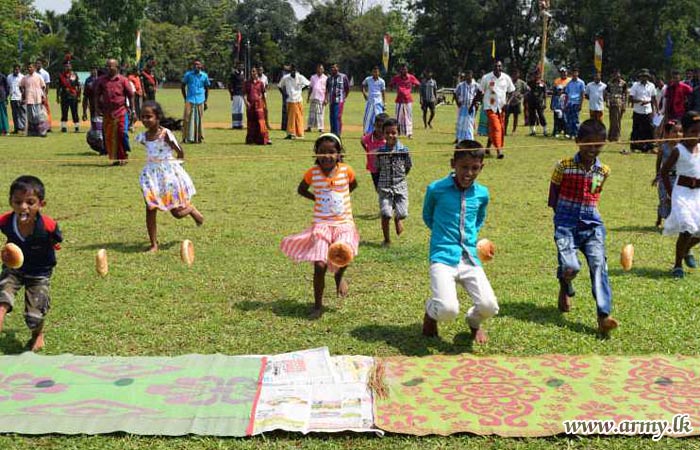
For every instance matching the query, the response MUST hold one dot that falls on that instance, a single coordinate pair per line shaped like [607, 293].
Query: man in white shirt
[19, 114]
[47, 81]
[292, 84]
[643, 97]
[495, 89]
[595, 93]
[317, 99]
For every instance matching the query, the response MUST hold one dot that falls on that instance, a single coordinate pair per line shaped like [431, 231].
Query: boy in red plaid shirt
[574, 193]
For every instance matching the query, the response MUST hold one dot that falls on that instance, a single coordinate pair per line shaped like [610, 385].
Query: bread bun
[486, 250]
[101, 264]
[627, 257]
[187, 252]
[340, 254]
[12, 256]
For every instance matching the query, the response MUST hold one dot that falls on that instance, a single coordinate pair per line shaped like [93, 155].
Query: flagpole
[544, 11]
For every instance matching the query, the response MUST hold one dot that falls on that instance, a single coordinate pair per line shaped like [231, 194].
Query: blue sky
[61, 6]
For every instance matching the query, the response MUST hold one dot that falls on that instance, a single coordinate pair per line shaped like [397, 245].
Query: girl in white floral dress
[165, 184]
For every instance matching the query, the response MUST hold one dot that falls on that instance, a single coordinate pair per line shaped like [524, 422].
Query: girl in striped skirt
[328, 183]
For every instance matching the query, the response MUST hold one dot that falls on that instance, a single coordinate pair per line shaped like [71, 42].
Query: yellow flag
[598, 55]
[138, 46]
[493, 49]
[385, 52]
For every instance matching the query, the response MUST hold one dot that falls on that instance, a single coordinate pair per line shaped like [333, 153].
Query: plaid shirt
[337, 88]
[574, 192]
[393, 164]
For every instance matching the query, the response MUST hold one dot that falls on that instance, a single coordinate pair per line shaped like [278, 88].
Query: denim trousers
[591, 242]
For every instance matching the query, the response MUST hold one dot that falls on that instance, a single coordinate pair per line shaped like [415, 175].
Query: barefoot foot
[430, 326]
[152, 249]
[479, 336]
[399, 227]
[198, 217]
[315, 313]
[342, 289]
[606, 325]
[3, 312]
[36, 343]
[386, 244]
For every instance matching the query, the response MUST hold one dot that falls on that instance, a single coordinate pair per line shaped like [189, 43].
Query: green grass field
[242, 296]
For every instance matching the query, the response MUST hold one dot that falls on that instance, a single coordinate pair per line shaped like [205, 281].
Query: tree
[177, 12]
[270, 26]
[217, 38]
[98, 29]
[87, 39]
[17, 18]
[162, 42]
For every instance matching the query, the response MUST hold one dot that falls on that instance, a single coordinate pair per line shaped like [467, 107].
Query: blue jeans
[336, 116]
[571, 112]
[591, 242]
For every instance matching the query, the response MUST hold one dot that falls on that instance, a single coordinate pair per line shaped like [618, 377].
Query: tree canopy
[444, 35]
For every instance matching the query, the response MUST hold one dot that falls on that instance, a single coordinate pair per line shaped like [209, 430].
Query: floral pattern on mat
[532, 396]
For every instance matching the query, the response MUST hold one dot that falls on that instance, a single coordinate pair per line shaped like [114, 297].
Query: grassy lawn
[242, 296]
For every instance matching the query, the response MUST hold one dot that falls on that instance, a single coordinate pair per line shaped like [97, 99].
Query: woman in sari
[254, 90]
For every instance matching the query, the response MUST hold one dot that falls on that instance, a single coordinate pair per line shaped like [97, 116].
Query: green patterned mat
[532, 396]
[193, 394]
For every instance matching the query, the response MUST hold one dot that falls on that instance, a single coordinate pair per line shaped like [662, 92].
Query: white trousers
[444, 304]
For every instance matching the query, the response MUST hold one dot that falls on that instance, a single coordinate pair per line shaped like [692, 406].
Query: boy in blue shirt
[454, 209]
[38, 236]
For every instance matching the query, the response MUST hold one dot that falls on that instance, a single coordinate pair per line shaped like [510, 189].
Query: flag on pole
[493, 49]
[385, 52]
[239, 37]
[668, 50]
[598, 55]
[138, 46]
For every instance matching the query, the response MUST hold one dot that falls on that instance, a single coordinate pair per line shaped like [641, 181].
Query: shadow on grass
[9, 344]
[128, 247]
[86, 153]
[527, 312]
[283, 307]
[91, 164]
[642, 272]
[372, 217]
[409, 340]
[371, 244]
[637, 228]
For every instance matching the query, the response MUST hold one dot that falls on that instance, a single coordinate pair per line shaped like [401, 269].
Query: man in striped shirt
[337, 90]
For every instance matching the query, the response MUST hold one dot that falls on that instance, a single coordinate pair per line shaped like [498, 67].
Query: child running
[165, 184]
[332, 182]
[672, 130]
[38, 236]
[455, 209]
[393, 164]
[574, 193]
[684, 219]
[373, 141]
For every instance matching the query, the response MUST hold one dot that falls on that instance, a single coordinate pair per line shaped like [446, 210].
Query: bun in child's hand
[101, 264]
[485, 250]
[626, 257]
[187, 252]
[12, 256]
[340, 254]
